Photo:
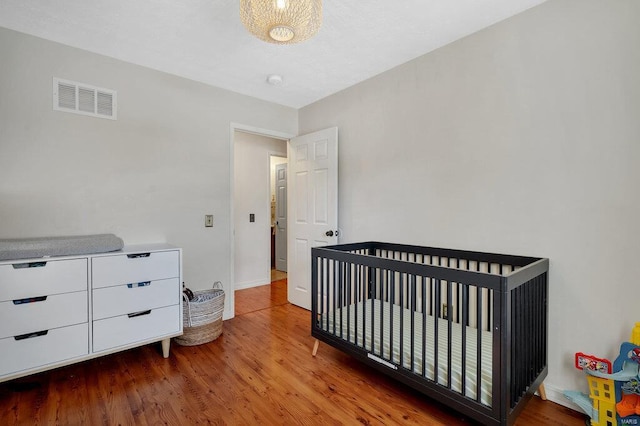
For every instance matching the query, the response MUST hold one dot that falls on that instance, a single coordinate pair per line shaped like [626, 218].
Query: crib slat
[401, 309]
[412, 285]
[347, 289]
[324, 293]
[465, 320]
[436, 340]
[357, 301]
[424, 326]
[373, 324]
[479, 344]
[391, 295]
[449, 334]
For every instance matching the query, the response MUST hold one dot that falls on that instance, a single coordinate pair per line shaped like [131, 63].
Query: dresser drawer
[56, 345]
[55, 311]
[124, 330]
[134, 267]
[127, 298]
[32, 279]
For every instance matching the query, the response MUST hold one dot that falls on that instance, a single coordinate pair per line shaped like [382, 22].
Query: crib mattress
[378, 340]
[29, 248]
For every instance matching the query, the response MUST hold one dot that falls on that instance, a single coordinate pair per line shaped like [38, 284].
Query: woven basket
[202, 317]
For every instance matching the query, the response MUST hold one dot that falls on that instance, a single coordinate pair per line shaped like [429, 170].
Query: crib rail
[466, 328]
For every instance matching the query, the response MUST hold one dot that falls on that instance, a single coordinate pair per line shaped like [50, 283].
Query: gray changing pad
[27, 248]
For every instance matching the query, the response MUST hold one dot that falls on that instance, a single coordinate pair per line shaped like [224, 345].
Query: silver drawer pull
[139, 314]
[142, 284]
[28, 265]
[31, 335]
[29, 300]
[138, 255]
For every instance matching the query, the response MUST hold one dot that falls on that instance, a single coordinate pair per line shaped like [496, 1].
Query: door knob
[329, 233]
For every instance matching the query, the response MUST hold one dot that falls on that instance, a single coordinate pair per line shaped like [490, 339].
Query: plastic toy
[592, 363]
[614, 389]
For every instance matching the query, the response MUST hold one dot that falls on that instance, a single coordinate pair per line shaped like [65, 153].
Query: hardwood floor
[260, 371]
[262, 297]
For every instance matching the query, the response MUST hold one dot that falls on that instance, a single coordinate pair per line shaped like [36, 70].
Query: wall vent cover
[85, 99]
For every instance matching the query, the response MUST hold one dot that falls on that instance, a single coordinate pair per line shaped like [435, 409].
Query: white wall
[523, 138]
[252, 170]
[150, 176]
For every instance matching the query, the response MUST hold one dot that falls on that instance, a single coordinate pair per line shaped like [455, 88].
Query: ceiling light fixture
[282, 21]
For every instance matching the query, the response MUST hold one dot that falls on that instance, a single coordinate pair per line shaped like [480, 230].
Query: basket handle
[186, 300]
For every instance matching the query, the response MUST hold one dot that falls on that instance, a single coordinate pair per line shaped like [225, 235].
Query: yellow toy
[635, 335]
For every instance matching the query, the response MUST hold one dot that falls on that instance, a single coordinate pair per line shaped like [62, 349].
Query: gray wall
[150, 176]
[523, 138]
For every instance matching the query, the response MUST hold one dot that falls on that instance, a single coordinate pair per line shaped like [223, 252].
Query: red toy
[590, 362]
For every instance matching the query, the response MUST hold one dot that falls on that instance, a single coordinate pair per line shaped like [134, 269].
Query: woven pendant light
[282, 21]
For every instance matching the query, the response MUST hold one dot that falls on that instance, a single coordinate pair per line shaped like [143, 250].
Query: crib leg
[315, 347]
[542, 392]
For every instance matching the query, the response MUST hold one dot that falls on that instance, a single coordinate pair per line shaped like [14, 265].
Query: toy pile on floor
[614, 389]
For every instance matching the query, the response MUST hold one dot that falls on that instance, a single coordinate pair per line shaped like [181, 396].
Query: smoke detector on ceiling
[274, 80]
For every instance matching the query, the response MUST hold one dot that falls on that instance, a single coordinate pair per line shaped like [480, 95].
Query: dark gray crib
[468, 329]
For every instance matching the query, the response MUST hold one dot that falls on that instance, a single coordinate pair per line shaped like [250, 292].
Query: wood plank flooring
[259, 372]
[262, 297]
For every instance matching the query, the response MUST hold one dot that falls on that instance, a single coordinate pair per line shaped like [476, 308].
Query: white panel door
[313, 206]
[281, 217]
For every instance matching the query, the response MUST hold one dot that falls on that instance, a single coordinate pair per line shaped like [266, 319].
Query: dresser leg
[166, 343]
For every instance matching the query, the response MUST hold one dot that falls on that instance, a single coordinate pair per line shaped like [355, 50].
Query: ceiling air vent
[80, 98]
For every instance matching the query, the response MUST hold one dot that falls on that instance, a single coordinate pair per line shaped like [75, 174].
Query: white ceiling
[204, 40]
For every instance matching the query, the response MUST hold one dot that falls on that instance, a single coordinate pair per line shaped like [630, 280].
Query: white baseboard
[254, 283]
[555, 394]
[227, 314]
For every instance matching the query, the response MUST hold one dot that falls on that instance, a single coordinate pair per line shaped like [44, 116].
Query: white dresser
[60, 310]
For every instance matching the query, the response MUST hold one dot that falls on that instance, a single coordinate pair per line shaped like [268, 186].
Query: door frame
[229, 310]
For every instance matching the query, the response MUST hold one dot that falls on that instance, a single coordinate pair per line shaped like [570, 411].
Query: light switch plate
[208, 220]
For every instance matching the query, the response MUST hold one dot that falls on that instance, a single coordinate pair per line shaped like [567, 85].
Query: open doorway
[278, 206]
[252, 210]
